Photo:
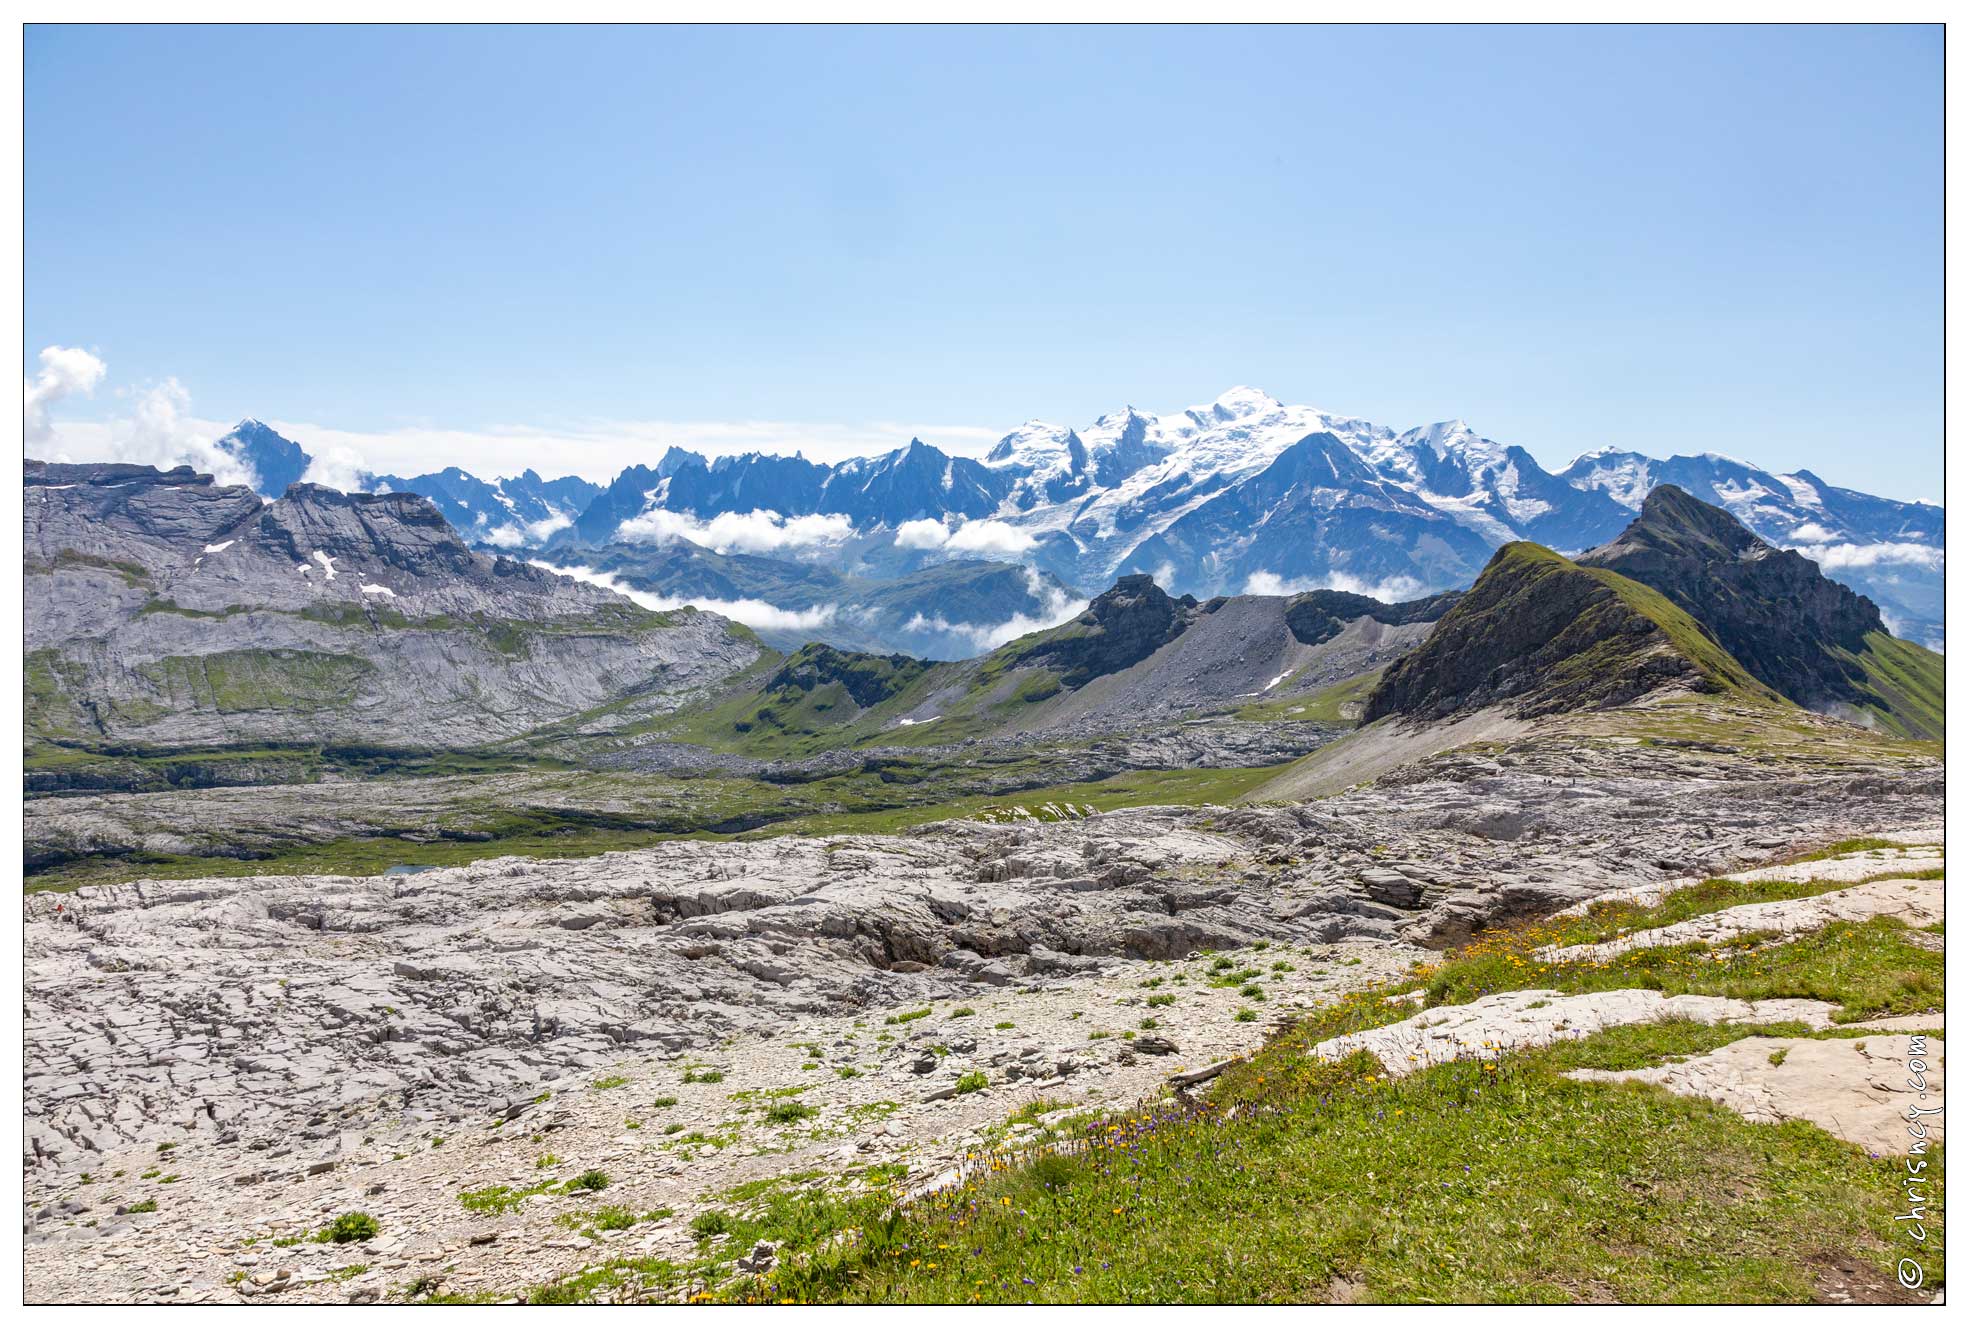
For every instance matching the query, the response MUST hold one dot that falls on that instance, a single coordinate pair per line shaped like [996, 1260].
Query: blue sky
[469, 240]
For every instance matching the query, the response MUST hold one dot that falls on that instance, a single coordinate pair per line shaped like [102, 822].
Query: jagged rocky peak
[276, 462]
[1675, 523]
[1126, 623]
[1808, 638]
[1539, 634]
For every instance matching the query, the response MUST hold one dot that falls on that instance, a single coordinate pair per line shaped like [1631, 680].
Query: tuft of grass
[348, 1227]
[1859, 845]
[972, 1081]
[505, 1199]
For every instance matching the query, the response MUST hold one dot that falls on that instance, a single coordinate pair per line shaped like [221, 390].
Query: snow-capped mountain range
[1242, 494]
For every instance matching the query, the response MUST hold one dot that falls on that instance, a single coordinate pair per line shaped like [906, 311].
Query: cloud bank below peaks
[1392, 591]
[985, 535]
[752, 613]
[758, 531]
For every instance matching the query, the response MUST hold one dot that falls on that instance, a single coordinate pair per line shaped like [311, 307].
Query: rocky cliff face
[1318, 616]
[1539, 634]
[1124, 624]
[165, 609]
[1808, 638]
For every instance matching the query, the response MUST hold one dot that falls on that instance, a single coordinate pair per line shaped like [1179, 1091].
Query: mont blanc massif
[934, 878]
[1244, 495]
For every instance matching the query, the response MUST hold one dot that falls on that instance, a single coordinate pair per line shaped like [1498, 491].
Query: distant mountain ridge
[1244, 493]
[165, 609]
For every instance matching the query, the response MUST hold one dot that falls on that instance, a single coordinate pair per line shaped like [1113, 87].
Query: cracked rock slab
[1922, 854]
[1882, 1092]
[1534, 1018]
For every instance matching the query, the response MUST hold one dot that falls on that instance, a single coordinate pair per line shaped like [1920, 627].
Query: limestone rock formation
[165, 609]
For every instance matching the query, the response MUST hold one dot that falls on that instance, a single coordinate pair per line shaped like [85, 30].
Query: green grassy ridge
[1768, 735]
[1683, 634]
[1904, 685]
[1561, 637]
[779, 718]
[1686, 635]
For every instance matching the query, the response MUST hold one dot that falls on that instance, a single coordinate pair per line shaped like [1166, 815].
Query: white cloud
[990, 537]
[1392, 591]
[983, 536]
[747, 532]
[1814, 532]
[1834, 556]
[514, 534]
[337, 467]
[554, 521]
[752, 613]
[159, 431]
[65, 372]
[924, 533]
[1055, 608]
